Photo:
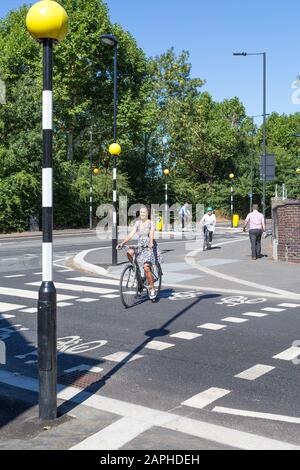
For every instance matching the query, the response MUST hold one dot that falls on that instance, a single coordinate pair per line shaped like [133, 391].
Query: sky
[211, 31]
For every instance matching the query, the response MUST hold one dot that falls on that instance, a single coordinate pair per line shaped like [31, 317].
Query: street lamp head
[298, 171]
[96, 171]
[47, 20]
[240, 54]
[231, 176]
[166, 172]
[109, 40]
[115, 149]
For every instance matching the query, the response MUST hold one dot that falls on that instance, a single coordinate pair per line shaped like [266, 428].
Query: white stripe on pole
[115, 196]
[115, 173]
[47, 187]
[114, 218]
[47, 262]
[47, 110]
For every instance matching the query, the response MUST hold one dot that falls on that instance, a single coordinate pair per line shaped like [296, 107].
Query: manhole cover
[79, 379]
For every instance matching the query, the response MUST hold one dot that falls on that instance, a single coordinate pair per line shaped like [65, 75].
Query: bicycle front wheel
[129, 287]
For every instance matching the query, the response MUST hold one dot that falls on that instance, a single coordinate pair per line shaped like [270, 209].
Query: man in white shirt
[209, 222]
[257, 227]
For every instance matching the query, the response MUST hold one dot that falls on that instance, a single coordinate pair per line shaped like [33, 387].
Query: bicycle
[206, 241]
[132, 283]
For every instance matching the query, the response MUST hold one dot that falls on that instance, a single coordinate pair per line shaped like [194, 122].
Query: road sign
[268, 167]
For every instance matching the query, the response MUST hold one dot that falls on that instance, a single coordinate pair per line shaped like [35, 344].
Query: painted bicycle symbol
[185, 295]
[240, 300]
[67, 345]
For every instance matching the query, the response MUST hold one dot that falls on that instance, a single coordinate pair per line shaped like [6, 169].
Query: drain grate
[79, 379]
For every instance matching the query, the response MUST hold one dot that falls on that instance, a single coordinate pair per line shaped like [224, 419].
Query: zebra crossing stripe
[96, 280]
[28, 294]
[6, 307]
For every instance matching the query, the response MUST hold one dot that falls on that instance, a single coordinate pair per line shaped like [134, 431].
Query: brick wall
[286, 219]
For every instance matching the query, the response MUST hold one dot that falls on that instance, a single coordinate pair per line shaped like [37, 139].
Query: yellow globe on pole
[166, 172]
[231, 176]
[96, 171]
[115, 149]
[298, 171]
[47, 20]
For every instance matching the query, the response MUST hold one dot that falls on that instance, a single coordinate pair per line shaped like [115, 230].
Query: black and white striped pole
[114, 149]
[47, 22]
[167, 174]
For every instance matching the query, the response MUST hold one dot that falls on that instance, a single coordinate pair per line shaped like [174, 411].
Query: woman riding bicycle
[208, 222]
[147, 251]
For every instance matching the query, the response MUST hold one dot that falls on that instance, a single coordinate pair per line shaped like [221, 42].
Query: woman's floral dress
[144, 254]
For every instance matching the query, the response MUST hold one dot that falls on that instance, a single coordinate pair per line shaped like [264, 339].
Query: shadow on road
[150, 336]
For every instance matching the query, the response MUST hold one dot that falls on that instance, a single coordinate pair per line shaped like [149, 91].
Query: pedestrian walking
[184, 214]
[256, 222]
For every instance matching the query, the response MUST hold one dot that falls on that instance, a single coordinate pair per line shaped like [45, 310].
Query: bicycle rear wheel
[129, 287]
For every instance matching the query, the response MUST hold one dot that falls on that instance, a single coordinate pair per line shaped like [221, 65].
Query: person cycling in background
[147, 252]
[208, 223]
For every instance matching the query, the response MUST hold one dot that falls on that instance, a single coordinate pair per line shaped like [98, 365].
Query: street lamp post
[167, 174]
[112, 41]
[231, 177]
[264, 145]
[91, 180]
[47, 22]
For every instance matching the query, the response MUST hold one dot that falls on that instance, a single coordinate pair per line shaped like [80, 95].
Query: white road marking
[185, 335]
[29, 310]
[14, 276]
[6, 317]
[255, 314]
[75, 288]
[37, 274]
[159, 345]
[212, 326]
[255, 372]
[122, 357]
[65, 271]
[96, 280]
[87, 300]
[289, 354]
[110, 296]
[64, 304]
[210, 432]
[28, 294]
[205, 398]
[253, 414]
[114, 436]
[289, 305]
[235, 320]
[273, 310]
[5, 307]
[85, 368]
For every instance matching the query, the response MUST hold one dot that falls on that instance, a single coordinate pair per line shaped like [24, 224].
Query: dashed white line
[96, 280]
[289, 354]
[159, 345]
[289, 305]
[28, 294]
[122, 357]
[14, 276]
[6, 317]
[5, 307]
[205, 398]
[87, 300]
[273, 310]
[255, 372]
[29, 310]
[255, 314]
[235, 320]
[212, 326]
[185, 335]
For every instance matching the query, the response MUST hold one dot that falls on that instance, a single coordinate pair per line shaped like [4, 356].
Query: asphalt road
[181, 356]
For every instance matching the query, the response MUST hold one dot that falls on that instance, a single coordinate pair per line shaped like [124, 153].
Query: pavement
[212, 365]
